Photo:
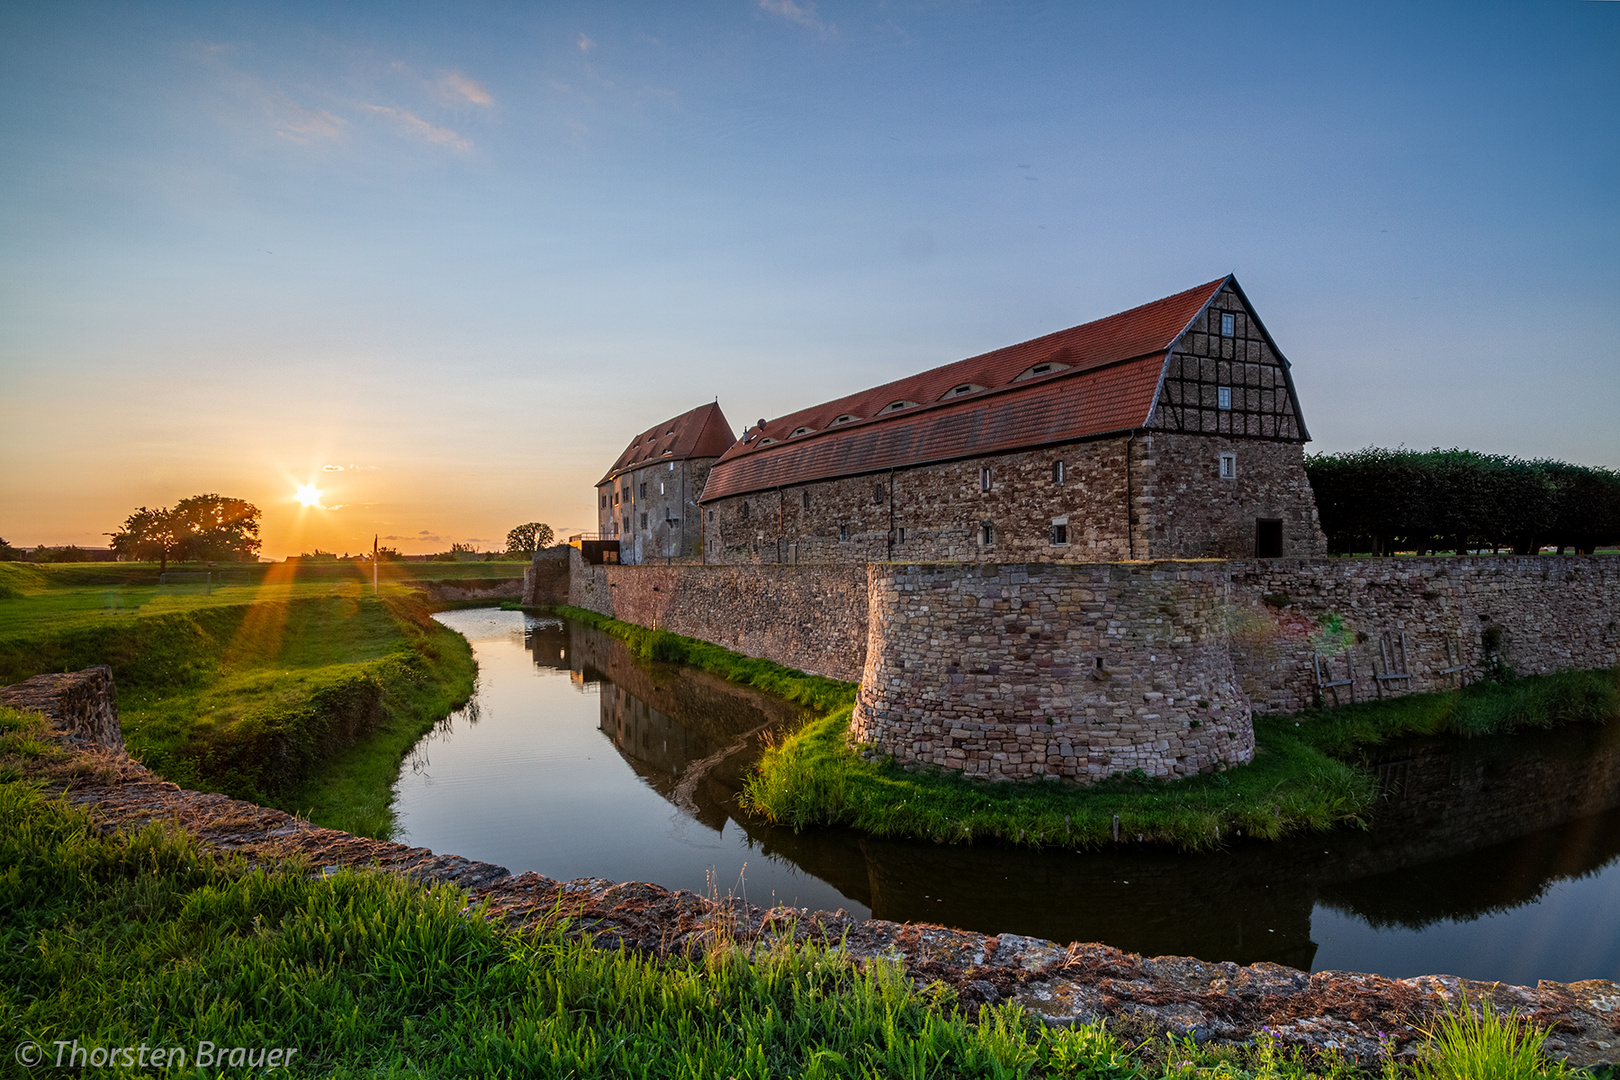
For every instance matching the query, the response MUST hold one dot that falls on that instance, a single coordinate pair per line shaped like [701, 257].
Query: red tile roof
[1106, 373]
[702, 433]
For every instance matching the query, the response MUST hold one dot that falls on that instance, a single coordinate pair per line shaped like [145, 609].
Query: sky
[443, 261]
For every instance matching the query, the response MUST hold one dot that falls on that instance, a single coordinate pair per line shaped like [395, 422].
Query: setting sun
[308, 495]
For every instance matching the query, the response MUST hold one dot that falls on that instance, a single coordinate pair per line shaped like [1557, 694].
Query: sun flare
[308, 495]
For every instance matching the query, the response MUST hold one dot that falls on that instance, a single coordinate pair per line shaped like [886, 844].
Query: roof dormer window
[1045, 367]
[796, 432]
[844, 418]
[767, 441]
[961, 390]
[896, 406]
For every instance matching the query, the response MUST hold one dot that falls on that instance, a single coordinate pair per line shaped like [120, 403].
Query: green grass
[1481, 1044]
[304, 696]
[143, 938]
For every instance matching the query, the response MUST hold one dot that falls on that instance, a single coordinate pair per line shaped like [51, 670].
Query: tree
[7, 552]
[147, 534]
[529, 538]
[218, 528]
[212, 527]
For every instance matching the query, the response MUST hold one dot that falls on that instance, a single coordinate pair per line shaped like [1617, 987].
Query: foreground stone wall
[1535, 613]
[1061, 985]
[1053, 671]
[812, 618]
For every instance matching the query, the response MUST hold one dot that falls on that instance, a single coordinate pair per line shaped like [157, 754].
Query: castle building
[1171, 430]
[648, 501]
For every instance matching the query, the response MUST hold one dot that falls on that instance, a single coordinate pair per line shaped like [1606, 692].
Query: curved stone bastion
[1053, 670]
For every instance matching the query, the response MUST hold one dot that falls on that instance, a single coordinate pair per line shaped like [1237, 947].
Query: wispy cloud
[457, 87]
[293, 121]
[804, 15]
[585, 43]
[331, 468]
[412, 124]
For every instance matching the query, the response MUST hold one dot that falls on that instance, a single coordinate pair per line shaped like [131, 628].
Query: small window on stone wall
[987, 533]
[1057, 472]
[984, 479]
[643, 491]
[1060, 530]
[807, 498]
[643, 521]
[1228, 466]
[660, 487]
[1228, 324]
[711, 515]
[877, 493]
[843, 532]
[745, 512]
[902, 534]
[1223, 397]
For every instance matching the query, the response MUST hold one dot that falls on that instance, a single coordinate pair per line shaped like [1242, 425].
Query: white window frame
[1223, 398]
[1062, 521]
[1228, 466]
[1228, 324]
[986, 479]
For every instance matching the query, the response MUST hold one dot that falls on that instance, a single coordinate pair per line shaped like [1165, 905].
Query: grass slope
[144, 940]
[300, 696]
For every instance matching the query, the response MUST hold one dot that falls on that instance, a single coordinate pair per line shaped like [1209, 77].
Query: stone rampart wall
[993, 668]
[1535, 613]
[1053, 670]
[812, 618]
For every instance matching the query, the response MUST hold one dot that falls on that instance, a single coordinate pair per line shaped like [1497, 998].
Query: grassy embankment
[297, 689]
[1306, 773]
[143, 939]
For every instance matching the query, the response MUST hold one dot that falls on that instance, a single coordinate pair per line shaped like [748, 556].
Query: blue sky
[462, 253]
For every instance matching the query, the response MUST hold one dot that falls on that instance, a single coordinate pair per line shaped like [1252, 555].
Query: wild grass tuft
[1479, 1043]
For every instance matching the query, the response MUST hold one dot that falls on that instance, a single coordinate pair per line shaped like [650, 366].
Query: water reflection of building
[548, 641]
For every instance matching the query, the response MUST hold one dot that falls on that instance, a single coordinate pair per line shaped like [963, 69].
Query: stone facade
[1182, 507]
[1187, 509]
[653, 511]
[1053, 671]
[812, 618]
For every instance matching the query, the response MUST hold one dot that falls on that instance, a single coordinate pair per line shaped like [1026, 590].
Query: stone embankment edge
[1061, 984]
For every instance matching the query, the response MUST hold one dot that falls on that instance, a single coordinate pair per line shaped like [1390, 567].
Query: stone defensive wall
[1416, 625]
[1079, 671]
[1053, 670]
[812, 618]
[1061, 985]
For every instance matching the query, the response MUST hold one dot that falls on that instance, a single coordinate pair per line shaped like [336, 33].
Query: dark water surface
[1491, 858]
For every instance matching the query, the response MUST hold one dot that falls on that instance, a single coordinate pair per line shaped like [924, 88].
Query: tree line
[1383, 501]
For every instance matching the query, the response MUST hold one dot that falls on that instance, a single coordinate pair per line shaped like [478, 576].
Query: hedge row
[1459, 500]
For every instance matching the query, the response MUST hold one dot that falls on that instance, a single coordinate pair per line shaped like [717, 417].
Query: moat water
[1495, 859]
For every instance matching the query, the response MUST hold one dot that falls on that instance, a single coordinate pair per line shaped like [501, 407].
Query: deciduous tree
[529, 538]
